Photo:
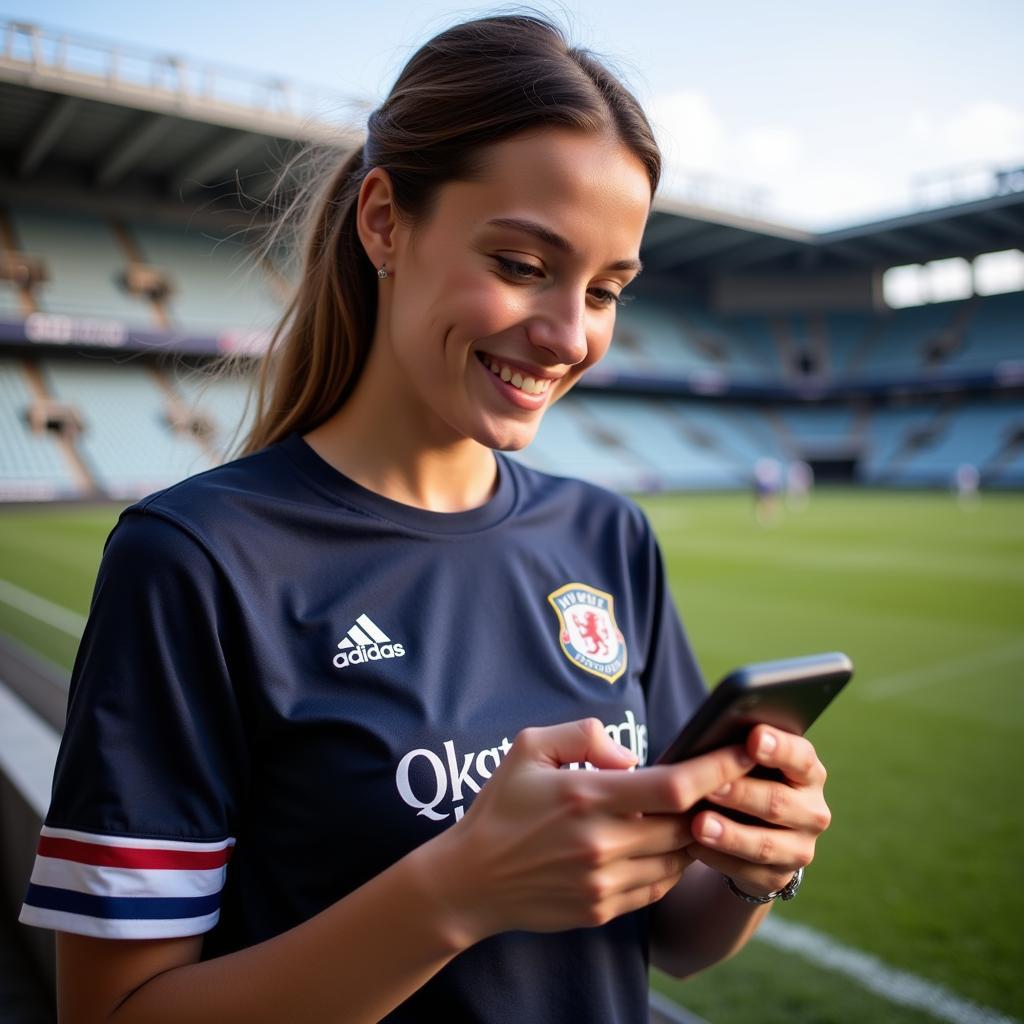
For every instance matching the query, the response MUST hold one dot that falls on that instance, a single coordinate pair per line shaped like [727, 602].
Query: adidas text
[372, 652]
[366, 641]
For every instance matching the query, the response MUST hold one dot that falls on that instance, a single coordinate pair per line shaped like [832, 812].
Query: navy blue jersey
[287, 682]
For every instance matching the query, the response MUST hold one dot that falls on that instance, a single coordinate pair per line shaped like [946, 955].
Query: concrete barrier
[28, 751]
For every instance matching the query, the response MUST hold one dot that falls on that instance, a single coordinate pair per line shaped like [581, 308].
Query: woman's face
[507, 292]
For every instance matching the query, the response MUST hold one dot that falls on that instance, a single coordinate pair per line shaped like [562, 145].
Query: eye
[610, 298]
[521, 271]
[517, 269]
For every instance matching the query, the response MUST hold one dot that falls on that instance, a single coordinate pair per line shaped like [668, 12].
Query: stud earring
[382, 273]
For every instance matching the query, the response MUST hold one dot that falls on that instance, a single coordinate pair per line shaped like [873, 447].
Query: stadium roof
[682, 238]
[97, 124]
[83, 116]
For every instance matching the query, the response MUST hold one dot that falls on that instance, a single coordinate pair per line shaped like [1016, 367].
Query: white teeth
[531, 385]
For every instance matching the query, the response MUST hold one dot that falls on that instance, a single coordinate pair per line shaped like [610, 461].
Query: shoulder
[585, 502]
[153, 569]
[562, 507]
[211, 504]
[182, 527]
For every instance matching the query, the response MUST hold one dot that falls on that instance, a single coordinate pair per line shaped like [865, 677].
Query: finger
[668, 788]
[751, 878]
[582, 740]
[776, 802]
[793, 755]
[648, 835]
[637, 897]
[630, 873]
[779, 847]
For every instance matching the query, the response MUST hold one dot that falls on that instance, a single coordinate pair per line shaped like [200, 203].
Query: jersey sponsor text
[443, 780]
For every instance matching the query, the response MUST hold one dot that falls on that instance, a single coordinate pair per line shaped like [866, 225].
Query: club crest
[587, 631]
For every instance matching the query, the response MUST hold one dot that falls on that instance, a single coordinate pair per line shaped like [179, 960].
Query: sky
[815, 114]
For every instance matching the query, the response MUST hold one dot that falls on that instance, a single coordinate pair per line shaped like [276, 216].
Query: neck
[383, 440]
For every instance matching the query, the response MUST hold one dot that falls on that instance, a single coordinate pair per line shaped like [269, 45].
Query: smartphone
[788, 694]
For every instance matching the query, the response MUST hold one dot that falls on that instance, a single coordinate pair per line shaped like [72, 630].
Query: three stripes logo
[366, 641]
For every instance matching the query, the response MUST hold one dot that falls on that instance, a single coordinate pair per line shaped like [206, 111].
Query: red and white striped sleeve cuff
[118, 887]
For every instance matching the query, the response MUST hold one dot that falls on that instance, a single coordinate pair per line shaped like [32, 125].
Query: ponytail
[318, 349]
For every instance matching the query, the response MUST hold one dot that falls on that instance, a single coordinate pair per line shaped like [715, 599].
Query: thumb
[582, 740]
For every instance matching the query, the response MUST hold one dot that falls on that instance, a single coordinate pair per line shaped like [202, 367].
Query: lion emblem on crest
[587, 632]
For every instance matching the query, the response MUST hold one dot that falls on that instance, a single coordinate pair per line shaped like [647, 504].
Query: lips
[520, 376]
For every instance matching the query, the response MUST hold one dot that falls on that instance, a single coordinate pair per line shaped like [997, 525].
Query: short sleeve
[670, 677]
[152, 764]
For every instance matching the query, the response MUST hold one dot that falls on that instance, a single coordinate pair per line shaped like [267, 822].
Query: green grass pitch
[924, 864]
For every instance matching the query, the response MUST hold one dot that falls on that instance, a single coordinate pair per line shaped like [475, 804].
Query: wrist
[445, 880]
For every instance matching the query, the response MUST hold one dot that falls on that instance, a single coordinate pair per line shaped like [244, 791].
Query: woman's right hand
[543, 849]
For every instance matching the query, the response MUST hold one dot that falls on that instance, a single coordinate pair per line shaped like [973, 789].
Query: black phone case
[788, 694]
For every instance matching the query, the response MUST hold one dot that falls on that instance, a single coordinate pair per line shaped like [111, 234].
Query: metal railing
[965, 183]
[79, 58]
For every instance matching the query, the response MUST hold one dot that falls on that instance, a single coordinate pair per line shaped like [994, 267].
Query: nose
[561, 328]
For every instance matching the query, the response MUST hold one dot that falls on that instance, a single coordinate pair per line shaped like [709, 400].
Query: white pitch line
[916, 678]
[876, 976]
[39, 608]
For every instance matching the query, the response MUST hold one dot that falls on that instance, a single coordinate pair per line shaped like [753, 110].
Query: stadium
[137, 294]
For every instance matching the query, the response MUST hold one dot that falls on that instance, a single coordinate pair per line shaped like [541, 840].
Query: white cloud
[710, 161]
[829, 192]
[987, 132]
[876, 169]
[922, 126]
[689, 131]
[770, 149]
[984, 132]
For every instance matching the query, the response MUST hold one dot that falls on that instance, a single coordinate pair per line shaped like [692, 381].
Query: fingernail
[712, 828]
[723, 790]
[767, 745]
[626, 752]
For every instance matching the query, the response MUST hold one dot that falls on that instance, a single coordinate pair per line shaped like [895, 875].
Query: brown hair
[472, 85]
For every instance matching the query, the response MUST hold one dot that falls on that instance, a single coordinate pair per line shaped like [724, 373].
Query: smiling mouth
[515, 377]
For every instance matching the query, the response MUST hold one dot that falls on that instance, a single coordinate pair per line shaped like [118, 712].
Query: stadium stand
[84, 265]
[657, 435]
[215, 283]
[31, 464]
[754, 348]
[741, 433]
[215, 289]
[126, 441]
[219, 403]
[995, 335]
[981, 434]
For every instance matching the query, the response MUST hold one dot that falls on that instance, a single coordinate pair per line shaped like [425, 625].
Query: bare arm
[355, 961]
[700, 923]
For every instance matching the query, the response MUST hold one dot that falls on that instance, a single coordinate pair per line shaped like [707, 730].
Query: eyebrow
[555, 240]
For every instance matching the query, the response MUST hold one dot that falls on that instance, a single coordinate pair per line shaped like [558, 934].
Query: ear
[376, 217]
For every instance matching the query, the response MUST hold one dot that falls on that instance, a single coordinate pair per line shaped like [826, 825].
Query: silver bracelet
[787, 892]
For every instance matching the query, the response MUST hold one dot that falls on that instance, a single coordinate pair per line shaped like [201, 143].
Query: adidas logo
[366, 641]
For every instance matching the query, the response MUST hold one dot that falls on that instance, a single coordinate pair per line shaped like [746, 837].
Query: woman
[354, 659]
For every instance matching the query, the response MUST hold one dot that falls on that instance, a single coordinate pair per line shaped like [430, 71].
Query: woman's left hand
[762, 860]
